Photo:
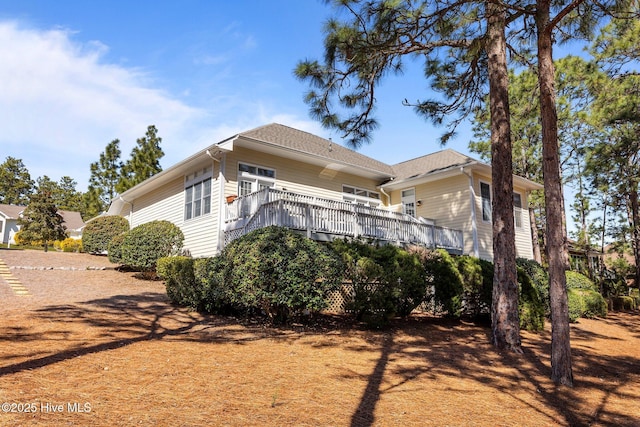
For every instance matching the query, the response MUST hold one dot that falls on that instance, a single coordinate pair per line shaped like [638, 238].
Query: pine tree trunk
[561, 370]
[635, 223]
[504, 309]
[535, 242]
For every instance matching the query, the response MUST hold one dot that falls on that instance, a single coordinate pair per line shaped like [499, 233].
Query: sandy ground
[86, 345]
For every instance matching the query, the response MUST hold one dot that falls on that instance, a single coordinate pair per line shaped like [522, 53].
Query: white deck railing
[330, 217]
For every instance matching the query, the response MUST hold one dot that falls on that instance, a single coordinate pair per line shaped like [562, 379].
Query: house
[9, 215]
[277, 175]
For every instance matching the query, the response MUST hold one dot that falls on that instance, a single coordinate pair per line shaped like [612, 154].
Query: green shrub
[114, 249]
[178, 275]
[576, 280]
[98, 233]
[531, 309]
[477, 285]
[145, 244]
[595, 304]
[539, 279]
[577, 305]
[215, 297]
[623, 303]
[387, 280]
[279, 272]
[446, 281]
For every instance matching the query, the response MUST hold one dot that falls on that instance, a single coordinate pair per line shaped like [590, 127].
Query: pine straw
[109, 340]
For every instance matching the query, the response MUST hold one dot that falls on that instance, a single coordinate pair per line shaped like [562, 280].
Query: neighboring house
[9, 215]
[277, 175]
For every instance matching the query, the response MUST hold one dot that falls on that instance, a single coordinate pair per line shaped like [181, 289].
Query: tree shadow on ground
[440, 348]
[408, 353]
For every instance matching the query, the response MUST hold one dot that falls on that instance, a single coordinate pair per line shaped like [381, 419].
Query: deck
[325, 219]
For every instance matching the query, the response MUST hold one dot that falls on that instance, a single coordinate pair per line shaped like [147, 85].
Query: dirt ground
[86, 346]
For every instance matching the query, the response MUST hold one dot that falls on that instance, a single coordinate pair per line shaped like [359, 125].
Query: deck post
[308, 219]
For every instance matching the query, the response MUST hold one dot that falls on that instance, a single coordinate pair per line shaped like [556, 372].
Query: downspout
[474, 222]
[222, 181]
[130, 211]
[220, 218]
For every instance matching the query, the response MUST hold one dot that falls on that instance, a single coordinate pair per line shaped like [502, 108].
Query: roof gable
[11, 211]
[307, 143]
[431, 163]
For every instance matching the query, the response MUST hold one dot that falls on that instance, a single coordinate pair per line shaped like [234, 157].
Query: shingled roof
[11, 211]
[430, 164]
[305, 142]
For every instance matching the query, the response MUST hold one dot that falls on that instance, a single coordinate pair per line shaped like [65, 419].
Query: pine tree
[16, 184]
[144, 161]
[105, 174]
[40, 221]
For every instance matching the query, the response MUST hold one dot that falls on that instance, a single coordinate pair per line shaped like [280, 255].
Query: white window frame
[408, 201]
[198, 189]
[517, 210]
[250, 182]
[485, 203]
[362, 196]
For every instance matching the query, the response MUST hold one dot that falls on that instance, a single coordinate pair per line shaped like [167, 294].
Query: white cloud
[58, 98]
[61, 103]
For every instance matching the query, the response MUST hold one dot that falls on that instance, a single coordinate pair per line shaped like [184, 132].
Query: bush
[215, 297]
[114, 249]
[445, 279]
[145, 244]
[277, 271]
[178, 275]
[577, 304]
[595, 304]
[576, 280]
[69, 245]
[387, 281]
[477, 285]
[539, 279]
[531, 309]
[623, 303]
[97, 234]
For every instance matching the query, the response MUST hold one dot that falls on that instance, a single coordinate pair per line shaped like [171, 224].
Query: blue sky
[75, 75]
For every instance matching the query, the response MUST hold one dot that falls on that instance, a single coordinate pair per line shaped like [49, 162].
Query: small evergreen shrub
[145, 244]
[215, 296]
[114, 249]
[577, 306]
[577, 280]
[387, 280]
[278, 272]
[178, 275]
[446, 281]
[98, 233]
[531, 309]
[539, 279]
[595, 304]
[477, 285]
[623, 303]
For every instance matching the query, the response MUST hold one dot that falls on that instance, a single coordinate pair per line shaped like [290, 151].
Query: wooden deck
[324, 219]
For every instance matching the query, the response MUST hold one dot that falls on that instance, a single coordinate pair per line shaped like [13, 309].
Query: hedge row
[280, 273]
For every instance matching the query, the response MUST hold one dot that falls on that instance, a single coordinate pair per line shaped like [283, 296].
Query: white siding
[167, 203]
[294, 176]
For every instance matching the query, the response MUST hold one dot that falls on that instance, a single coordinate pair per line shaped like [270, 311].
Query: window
[360, 195]
[517, 209]
[254, 178]
[409, 202]
[197, 194]
[485, 193]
